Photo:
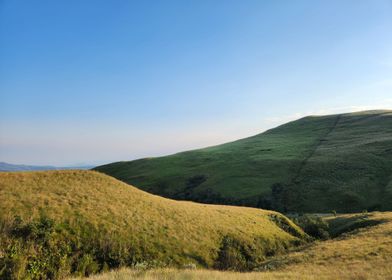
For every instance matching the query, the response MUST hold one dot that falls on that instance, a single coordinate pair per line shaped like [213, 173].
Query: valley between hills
[306, 200]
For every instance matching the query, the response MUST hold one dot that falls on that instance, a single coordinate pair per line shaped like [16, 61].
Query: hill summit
[337, 162]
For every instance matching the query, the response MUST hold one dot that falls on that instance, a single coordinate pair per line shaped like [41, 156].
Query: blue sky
[93, 81]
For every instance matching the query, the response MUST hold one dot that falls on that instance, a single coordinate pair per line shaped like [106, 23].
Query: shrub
[87, 266]
[237, 255]
[231, 256]
[43, 249]
[313, 226]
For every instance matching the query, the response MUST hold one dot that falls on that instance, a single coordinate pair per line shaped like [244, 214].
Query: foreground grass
[56, 223]
[315, 164]
[365, 253]
[355, 272]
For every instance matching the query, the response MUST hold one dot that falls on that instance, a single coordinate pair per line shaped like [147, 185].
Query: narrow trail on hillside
[384, 189]
[317, 145]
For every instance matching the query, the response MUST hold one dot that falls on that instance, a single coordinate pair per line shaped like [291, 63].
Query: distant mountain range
[7, 167]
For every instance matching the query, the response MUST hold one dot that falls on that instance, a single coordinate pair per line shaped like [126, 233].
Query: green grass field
[315, 164]
[55, 223]
[359, 254]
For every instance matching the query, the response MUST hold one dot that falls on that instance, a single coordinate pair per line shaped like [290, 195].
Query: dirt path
[317, 145]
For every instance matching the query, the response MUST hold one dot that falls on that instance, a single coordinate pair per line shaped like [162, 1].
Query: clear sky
[93, 81]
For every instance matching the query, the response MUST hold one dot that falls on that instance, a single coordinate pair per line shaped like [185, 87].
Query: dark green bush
[233, 256]
[87, 266]
[313, 226]
[44, 249]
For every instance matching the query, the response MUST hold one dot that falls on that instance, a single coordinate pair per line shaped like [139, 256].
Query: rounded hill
[84, 221]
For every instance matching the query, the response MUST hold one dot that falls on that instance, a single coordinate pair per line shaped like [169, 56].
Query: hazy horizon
[271, 120]
[92, 82]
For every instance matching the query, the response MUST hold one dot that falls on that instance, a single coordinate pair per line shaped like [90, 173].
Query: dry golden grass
[363, 254]
[305, 273]
[176, 232]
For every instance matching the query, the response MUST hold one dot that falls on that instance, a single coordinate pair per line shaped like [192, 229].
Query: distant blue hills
[7, 167]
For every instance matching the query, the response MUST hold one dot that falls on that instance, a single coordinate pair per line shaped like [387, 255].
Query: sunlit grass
[115, 224]
[363, 254]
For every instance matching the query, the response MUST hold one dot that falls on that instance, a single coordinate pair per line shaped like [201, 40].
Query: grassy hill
[365, 253]
[54, 223]
[315, 164]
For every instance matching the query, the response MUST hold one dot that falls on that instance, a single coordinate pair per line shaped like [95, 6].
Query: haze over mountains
[4, 166]
[315, 164]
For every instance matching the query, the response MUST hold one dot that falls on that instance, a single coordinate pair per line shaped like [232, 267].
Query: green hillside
[55, 223]
[315, 164]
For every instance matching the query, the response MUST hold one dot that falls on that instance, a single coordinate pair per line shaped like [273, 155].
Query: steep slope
[318, 163]
[56, 222]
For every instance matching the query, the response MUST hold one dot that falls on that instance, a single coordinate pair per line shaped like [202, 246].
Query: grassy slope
[340, 162]
[363, 254]
[160, 229]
